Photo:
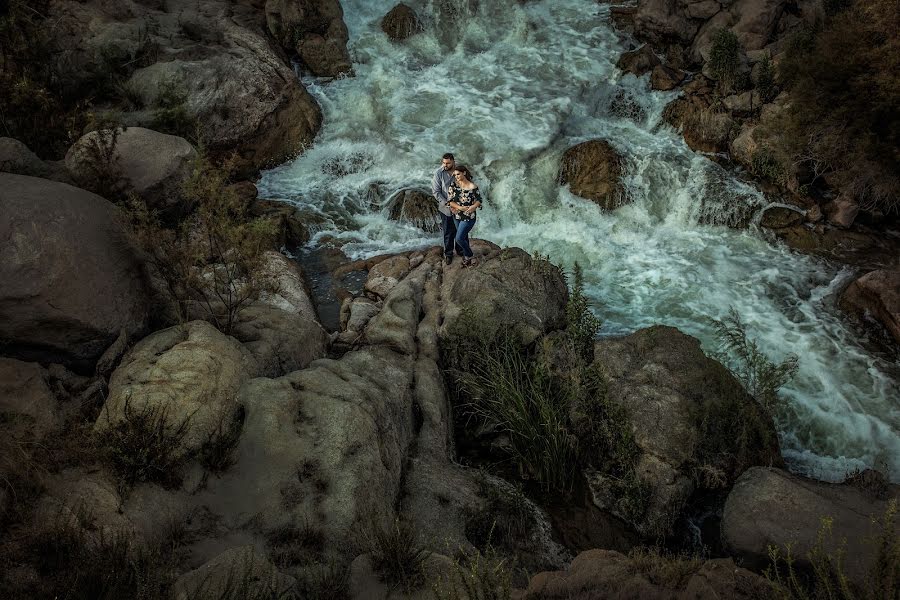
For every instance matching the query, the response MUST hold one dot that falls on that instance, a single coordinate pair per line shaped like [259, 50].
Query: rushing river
[507, 88]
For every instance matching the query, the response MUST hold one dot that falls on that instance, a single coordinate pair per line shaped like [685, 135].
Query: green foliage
[396, 553]
[760, 376]
[475, 577]
[764, 163]
[100, 171]
[144, 446]
[170, 114]
[827, 579]
[581, 324]
[725, 58]
[213, 260]
[843, 78]
[765, 80]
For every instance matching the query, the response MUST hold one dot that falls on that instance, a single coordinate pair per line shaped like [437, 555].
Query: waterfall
[508, 87]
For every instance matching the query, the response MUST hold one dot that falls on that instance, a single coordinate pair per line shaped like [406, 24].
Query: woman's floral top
[464, 198]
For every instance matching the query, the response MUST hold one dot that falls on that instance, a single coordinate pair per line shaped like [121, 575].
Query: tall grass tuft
[397, 555]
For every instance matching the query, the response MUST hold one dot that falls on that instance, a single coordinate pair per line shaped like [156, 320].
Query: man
[440, 183]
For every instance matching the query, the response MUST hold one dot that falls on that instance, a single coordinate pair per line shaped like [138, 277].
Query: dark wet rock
[664, 77]
[15, 157]
[592, 170]
[315, 29]
[626, 106]
[640, 61]
[416, 207]
[71, 282]
[779, 217]
[400, 23]
[876, 295]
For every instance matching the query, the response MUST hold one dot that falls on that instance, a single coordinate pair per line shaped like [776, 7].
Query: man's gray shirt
[440, 183]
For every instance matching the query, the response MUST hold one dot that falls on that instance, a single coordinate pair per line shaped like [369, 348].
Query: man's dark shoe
[448, 258]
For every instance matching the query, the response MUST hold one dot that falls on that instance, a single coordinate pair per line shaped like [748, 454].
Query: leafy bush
[760, 376]
[725, 58]
[581, 324]
[170, 114]
[764, 163]
[213, 260]
[844, 84]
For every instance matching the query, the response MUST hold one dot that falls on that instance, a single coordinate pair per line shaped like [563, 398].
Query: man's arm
[437, 189]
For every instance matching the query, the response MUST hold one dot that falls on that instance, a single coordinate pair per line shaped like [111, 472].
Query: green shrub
[765, 164]
[843, 79]
[144, 446]
[397, 555]
[213, 260]
[170, 114]
[765, 80]
[581, 324]
[760, 376]
[475, 577]
[725, 58]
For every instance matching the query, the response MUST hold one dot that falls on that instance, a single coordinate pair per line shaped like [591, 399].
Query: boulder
[877, 295]
[386, 274]
[400, 23]
[281, 329]
[416, 207]
[189, 373]
[509, 290]
[661, 22]
[755, 21]
[771, 507]
[702, 9]
[609, 574]
[700, 423]
[290, 223]
[242, 572]
[70, 282]
[15, 157]
[315, 29]
[323, 446]
[152, 164]
[26, 400]
[593, 170]
[637, 62]
[665, 78]
[743, 104]
[779, 217]
[841, 212]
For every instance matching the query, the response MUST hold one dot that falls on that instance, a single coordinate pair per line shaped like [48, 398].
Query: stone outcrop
[69, 280]
[151, 164]
[15, 157]
[637, 62]
[242, 571]
[687, 431]
[280, 329]
[315, 29]
[189, 374]
[209, 62]
[416, 207]
[876, 295]
[592, 170]
[26, 400]
[773, 507]
[609, 574]
[400, 23]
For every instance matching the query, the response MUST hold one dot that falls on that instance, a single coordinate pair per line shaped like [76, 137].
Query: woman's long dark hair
[465, 170]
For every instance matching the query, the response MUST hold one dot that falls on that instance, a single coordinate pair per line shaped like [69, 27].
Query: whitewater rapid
[507, 88]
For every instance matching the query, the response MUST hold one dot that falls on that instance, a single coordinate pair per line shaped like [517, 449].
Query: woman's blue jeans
[462, 236]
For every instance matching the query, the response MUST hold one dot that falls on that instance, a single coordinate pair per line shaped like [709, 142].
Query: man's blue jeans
[448, 226]
[462, 236]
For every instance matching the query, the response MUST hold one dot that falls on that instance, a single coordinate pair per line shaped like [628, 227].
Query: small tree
[214, 260]
[765, 80]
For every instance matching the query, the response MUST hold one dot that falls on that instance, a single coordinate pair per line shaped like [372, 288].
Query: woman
[465, 199]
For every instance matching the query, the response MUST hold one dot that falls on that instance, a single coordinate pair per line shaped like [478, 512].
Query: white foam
[508, 90]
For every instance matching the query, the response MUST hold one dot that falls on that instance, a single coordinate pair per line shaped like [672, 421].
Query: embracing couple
[458, 198]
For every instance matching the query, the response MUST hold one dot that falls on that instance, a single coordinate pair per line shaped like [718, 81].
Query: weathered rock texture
[315, 29]
[773, 507]
[416, 207]
[400, 23]
[149, 163]
[69, 280]
[876, 295]
[593, 170]
[607, 574]
[699, 430]
[15, 157]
